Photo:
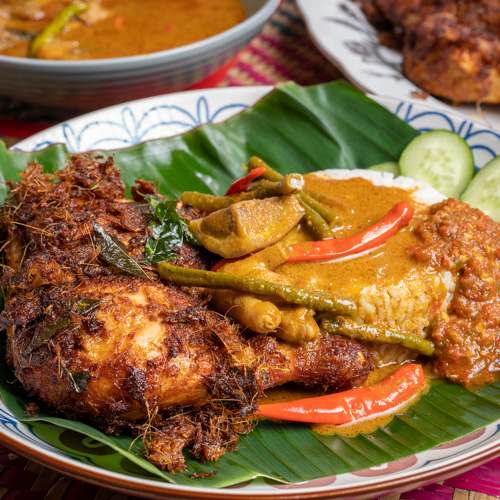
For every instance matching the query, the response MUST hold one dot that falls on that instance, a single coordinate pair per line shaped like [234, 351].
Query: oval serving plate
[129, 124]
[342, 33]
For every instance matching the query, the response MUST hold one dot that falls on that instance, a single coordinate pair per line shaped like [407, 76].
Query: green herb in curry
[169, 231]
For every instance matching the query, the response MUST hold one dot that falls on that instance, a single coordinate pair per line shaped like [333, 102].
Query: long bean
[318, 301]
[270, 174]
[206, 202]
[311, 198]
[322, 197]
[289, 184]
[331, 219]
[359, 331]
[56, 26]
[315, 222]
[306, 196]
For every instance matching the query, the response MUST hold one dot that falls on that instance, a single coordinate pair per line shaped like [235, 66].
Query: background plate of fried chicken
[132, 123]
[443, 52]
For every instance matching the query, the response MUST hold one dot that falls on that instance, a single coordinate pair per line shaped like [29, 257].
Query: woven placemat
[282, 52]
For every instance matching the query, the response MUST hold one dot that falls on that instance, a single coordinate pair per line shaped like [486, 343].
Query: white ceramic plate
[341, 31]
[131, 123]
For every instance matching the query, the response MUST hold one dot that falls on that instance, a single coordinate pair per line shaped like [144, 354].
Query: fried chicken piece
[451, 48]
[389, 13]
[130, 352]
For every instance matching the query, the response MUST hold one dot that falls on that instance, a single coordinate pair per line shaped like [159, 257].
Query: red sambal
[466, 242]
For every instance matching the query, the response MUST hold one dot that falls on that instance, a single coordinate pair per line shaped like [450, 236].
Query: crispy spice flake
[197, 475]
[31, 409]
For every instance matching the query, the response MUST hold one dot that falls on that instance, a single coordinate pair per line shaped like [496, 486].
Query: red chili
[223, 262]
[242, 184]
[381, 231]
[353, 405]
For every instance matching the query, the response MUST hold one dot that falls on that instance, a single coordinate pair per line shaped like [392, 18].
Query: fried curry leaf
[81, 306]
[78, 381]
[114, 252]
[170, 231]
[46, 333]
[85, 306]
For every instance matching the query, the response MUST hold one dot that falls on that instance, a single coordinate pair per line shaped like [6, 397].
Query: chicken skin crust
[128, 352]
[451, 48]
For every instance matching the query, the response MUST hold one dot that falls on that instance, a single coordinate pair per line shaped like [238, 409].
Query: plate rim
[304, 12]
[261, 91]
[486, 117]
[164, 489]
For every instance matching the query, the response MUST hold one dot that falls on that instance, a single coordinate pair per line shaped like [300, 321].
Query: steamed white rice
[404, 304]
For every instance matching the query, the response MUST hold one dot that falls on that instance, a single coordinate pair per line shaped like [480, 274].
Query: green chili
[359, 331]
[318, 301]
[52, 30]
[315, 222]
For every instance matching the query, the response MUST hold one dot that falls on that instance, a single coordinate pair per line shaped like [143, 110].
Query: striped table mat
[282, 52]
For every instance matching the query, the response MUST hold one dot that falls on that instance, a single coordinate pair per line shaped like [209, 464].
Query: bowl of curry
[87, 54]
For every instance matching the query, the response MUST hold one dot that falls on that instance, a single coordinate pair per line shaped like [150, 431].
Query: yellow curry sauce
[115, 28]
[361, 204]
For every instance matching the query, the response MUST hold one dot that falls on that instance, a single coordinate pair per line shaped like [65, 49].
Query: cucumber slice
[483, 191]
[440, 158]
[388, 166]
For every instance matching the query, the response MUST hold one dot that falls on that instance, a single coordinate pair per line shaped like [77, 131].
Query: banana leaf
[294, 129]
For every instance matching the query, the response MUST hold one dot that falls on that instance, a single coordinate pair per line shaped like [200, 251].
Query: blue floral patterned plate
[342, 32]
[81, 456]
